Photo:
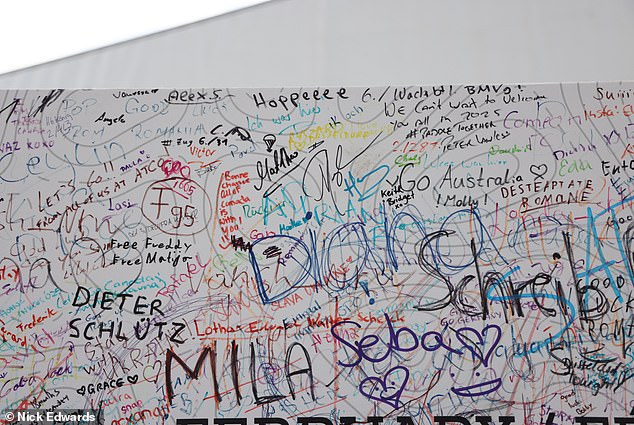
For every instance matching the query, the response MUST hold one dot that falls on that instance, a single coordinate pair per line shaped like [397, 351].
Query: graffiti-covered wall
[411, 255]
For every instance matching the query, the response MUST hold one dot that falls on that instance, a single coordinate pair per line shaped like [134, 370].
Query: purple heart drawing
[474, 341]
[385, 390]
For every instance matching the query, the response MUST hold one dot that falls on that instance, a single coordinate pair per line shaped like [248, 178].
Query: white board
[435, 254]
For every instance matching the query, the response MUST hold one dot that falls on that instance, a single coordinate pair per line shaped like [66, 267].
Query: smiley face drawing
[480, 388]
[481, 345]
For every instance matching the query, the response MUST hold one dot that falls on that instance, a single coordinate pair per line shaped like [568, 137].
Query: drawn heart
[474, 341]
[385, 390]
[133, 379]
[536, 170]
[150, 369]
[81, 390]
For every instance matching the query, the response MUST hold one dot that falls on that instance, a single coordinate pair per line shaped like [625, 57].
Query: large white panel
[357, 42]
